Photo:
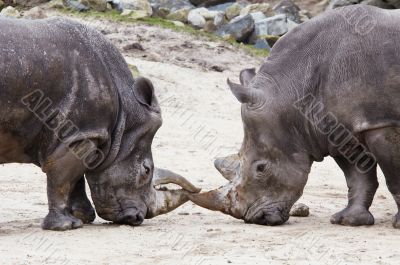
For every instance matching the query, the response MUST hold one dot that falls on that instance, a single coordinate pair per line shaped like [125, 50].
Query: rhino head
[124, 187]
[268, 174]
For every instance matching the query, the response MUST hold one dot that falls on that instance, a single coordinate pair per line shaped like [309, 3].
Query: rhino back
[349, 59]
[73, 66]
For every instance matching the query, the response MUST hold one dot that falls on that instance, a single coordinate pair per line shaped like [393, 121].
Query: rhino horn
[221, 199]
[245, 95]
[165, 201]
[246, 76]
[227, 166]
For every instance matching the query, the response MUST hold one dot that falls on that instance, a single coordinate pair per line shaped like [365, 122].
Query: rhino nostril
[268, 219]
[132, 218]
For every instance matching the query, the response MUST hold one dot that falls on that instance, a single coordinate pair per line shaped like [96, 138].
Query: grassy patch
[115, 16]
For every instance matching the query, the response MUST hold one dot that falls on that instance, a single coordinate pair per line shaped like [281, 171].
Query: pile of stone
[258, 24]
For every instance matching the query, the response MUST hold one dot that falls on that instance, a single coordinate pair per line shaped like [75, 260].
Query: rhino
[330, 87]
[70, 105]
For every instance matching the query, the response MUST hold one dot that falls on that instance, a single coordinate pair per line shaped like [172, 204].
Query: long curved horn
[165, 201]
[163, 176]
[222, 199]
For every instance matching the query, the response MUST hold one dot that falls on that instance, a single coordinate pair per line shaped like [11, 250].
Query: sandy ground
[201, 121]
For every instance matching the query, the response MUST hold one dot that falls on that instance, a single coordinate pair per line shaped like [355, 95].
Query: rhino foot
[353, 216]
[84, 212]
[58, 221]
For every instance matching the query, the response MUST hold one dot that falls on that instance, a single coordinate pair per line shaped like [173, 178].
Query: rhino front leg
[79, 203]
[63, 171]
[362, 188]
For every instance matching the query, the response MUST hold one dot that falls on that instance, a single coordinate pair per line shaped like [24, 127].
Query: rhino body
[70, 105]
[330, 87]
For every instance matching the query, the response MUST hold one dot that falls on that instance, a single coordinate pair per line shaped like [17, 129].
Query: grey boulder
[289, 8]
[239, 30]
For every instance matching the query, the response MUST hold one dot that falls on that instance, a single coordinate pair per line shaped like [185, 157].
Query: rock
[258, 16]
[262, 44]
[204, 12]
[233, 11]
[10, 11]
[153, 57]
[97, 5]
[1, 4]
[162, 8]
[56, 4]
[28, 3]
[139, 5]
[75, 5]
[179, 15]
[385, 4]
[289, 8]
[304, 15]
[338, 3]
[394, 3]
[271, 40]
[291, 24]
[133, 46]
[218, 68]
[300, 210]
[220, 7]
[377, 3]
[209, 26]
[135, 14]
[209, 2]
[219, 19]
[196, 19]
[35, 13]
[178, 23]
[134, 70]
[239, 30]
[276, 26]
[264, 8]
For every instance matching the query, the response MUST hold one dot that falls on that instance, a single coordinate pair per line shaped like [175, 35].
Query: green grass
[115, 16]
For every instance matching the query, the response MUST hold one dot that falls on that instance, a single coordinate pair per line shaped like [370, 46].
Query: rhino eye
[146, 170]
[261, 167]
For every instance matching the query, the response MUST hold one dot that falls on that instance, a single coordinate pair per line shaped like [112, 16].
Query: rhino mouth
[275, 213]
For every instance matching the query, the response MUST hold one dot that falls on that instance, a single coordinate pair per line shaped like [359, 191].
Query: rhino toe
[60, 222]
[353, 217]
[86, 213]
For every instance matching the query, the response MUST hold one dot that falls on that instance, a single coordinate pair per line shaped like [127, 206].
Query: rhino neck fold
[114, 144]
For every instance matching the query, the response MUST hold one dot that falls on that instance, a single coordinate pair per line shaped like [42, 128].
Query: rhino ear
[144, 93]
[246, 76]
[240, 92]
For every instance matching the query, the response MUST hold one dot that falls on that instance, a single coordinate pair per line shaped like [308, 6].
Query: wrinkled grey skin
[356, 77]
[89, 85]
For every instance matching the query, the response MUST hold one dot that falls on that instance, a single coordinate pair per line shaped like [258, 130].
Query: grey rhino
[70, 105]
[330, 87]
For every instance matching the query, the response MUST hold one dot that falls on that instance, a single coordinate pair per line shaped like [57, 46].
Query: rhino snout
[131, 216]
[268, 213]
